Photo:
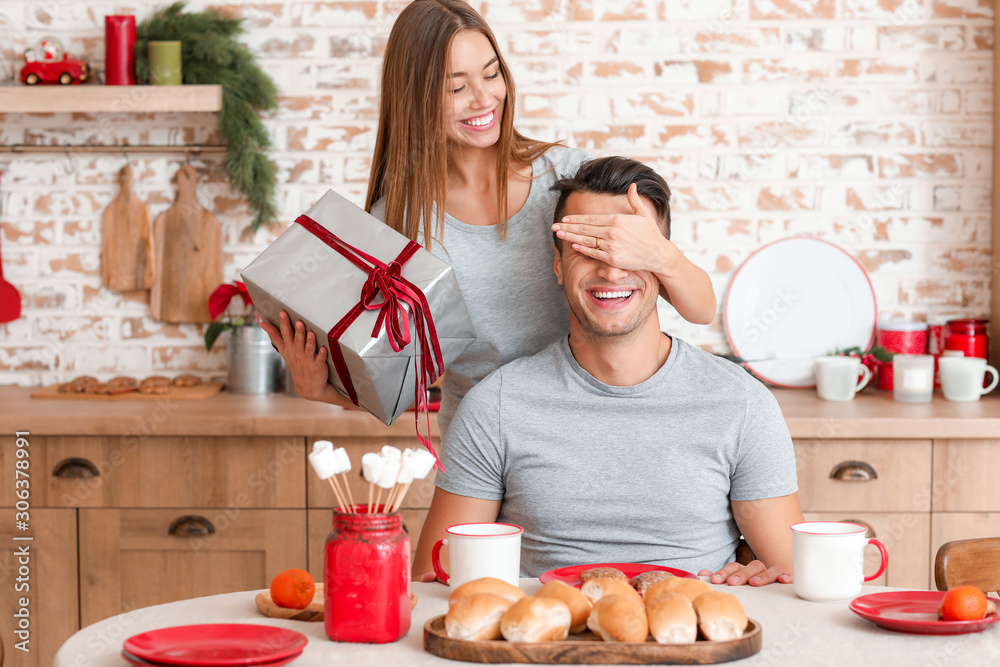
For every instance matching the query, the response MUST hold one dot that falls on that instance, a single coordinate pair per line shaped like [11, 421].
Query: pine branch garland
[211, 54]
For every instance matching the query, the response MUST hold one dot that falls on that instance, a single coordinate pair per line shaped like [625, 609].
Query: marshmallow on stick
[422, 462]
[325, 464]
[371, 468]
[407, 469]
[344, 467]
[387, 476]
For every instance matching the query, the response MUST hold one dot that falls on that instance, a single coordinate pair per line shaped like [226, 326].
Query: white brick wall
[863, 122]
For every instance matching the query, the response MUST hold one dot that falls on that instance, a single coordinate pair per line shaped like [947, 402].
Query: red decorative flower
[218, 304]
[223, 296]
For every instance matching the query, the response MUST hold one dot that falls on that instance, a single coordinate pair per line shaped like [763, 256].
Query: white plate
[794, 300]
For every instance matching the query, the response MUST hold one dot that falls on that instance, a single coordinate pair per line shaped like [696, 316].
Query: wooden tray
[203, 390]
[588, 649]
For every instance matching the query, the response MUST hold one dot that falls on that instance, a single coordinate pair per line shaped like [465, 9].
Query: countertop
[872, 414]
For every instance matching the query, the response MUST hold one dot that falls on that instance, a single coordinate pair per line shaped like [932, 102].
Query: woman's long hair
[410, 164]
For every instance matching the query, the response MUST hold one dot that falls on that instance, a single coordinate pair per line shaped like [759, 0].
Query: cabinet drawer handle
[75, 468]
[853, 471]
[869, 531]
[191, 526]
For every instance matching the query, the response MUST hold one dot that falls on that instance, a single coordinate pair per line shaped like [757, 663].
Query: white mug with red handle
[477, 550]
[828, 560]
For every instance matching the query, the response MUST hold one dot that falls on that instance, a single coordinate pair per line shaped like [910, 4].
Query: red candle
[119, 53]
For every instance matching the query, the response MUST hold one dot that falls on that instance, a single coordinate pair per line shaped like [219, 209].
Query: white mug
[962, 378]
[828, 560]
[477, 550]
[837, 377]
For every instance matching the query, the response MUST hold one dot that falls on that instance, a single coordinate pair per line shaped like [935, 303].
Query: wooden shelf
[93, 98]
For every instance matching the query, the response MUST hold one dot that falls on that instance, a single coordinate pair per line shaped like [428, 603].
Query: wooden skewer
[336, 491]
[378, 500]
[370, 487]
[347, 487]
[402, 494]
[341, 495]
[392, 494]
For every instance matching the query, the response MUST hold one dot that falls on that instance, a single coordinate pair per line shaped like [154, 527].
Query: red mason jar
[366, 578]
[969, 336]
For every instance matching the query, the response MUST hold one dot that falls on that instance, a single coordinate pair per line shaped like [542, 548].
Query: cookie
[122, 382]
[187, 380]
[607, 572]
[641, 582]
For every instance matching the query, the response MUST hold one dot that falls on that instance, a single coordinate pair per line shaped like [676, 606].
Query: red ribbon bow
[399, 295]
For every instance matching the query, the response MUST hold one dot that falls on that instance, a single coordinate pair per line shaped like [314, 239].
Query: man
[621, 443]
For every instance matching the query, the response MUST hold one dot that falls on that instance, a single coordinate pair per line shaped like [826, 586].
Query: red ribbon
[399, 295]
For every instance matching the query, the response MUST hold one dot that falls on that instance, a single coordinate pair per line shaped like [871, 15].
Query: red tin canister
[366, 576]
[901, 338]
[969, 336]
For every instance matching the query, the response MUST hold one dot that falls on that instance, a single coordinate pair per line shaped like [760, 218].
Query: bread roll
[690, 588]
[602, 572]
[476, 617]
[641, 582]
[619, 618]
[720, 616]
[487, 585]
[672, 619]
[595, 589]
[536, 620]
[579, 605]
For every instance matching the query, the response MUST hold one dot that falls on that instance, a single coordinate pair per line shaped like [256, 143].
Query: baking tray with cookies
[655, 618]
[123, 387]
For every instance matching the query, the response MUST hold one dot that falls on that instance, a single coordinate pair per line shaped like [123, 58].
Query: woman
[451, 172]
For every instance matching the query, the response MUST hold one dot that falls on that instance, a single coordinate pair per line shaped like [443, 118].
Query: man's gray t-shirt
[514, 301]
[602, 474]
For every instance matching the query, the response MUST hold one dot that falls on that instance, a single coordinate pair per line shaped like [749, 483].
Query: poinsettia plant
[219, 304]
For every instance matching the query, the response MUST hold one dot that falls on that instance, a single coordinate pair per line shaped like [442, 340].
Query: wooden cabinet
[131, 558]
[50, 578]
[167, 471]
[159, 518]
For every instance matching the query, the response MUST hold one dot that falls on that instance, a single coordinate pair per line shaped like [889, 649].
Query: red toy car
[54, 67]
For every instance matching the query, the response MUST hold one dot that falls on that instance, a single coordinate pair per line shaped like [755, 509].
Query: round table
[795, 632]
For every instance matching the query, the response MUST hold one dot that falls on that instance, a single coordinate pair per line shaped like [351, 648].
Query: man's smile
[608, 297]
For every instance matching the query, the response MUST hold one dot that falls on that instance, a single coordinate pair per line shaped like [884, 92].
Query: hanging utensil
[10, 298]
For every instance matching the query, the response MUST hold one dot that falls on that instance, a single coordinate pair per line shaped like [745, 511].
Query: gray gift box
[301, 274]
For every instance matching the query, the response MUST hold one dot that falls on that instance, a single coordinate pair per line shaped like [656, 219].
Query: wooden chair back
[968, 563]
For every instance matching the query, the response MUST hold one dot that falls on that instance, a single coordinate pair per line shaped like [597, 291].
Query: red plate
[914, 612]
[217, 645]
[139, 662]
[571, 574]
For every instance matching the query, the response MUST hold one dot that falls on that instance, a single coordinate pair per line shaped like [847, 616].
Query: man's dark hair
[613, 176]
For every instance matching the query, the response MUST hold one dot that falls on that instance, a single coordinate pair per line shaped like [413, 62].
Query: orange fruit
[293, 589]
[964, 603]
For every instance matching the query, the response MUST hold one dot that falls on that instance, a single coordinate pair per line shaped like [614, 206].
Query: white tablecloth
[795, 632]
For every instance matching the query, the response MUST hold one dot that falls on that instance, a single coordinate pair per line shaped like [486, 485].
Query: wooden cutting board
[203, 390]
[189, 262]
[127, 246]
